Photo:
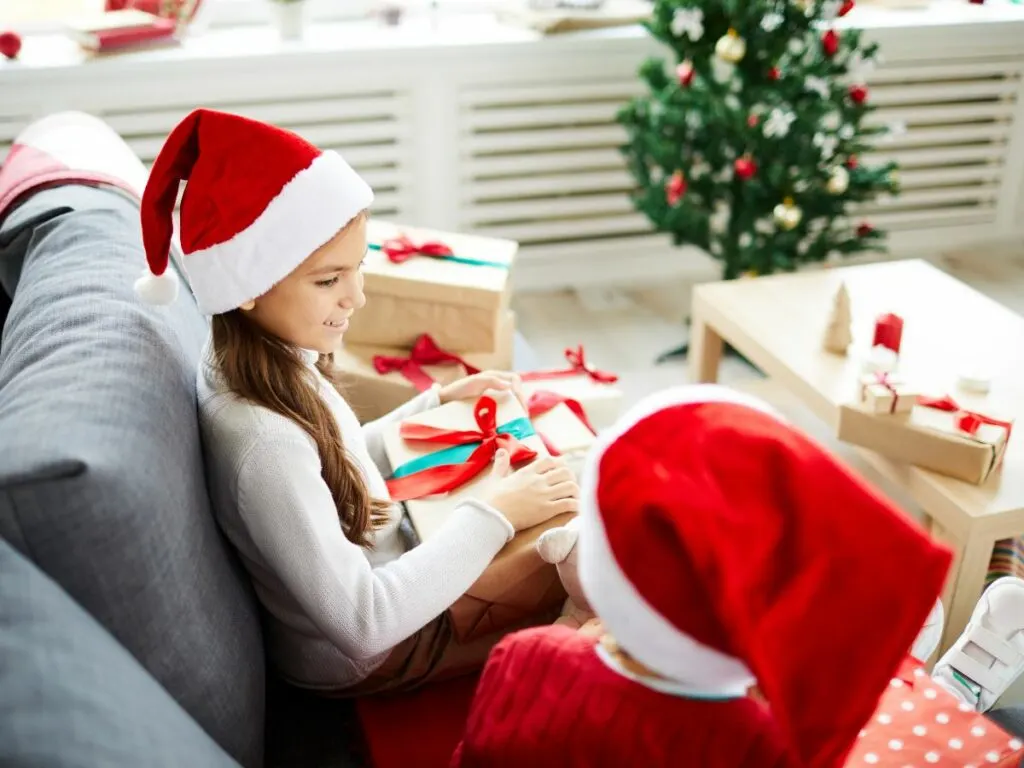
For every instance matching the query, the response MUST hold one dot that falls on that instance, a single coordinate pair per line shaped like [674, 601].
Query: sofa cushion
[101, 473]
[71, 696]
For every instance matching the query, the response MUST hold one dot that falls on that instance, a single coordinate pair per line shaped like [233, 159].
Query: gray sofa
[129, 635]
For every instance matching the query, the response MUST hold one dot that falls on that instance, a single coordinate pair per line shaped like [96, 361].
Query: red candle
[888, 331]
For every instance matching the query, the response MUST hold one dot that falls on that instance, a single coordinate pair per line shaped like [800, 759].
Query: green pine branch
[786, 105]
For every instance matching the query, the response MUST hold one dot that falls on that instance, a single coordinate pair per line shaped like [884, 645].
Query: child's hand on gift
[532, 494]
[478, 384]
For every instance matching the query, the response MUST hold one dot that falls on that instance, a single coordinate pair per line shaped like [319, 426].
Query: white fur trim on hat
[633, 621]
[310, 209]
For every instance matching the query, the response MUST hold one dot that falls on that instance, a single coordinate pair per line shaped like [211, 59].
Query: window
[43, 15]
[21, 14]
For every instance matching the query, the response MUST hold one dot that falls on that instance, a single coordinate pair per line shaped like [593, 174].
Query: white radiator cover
[514, 135]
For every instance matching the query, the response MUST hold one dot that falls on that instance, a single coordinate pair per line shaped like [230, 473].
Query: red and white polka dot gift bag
[920, 724]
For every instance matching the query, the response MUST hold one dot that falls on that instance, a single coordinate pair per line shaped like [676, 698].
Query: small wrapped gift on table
[455, 288]
[444, 455]
[936, 434]
[376, 380]
[919, 723]
[886, 393]
[582, 383]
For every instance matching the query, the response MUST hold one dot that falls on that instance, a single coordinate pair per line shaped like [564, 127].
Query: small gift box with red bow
[919, 723]
[453, 287]
[937, 434]
[376, 380]
[444, 455]
[592, 388]
[886, 393]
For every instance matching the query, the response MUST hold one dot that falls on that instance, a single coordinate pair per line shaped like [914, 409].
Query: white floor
[625, 332]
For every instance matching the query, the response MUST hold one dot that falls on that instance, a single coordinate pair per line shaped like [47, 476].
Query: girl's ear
[249, 305]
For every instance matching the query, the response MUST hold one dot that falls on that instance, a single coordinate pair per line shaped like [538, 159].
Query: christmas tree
[749, 143]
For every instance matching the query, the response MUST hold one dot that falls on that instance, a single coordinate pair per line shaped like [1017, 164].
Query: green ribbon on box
[401, 249]
[520, 429]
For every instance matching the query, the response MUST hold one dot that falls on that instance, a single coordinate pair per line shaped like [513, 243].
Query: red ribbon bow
[425, 351]
[543, 401]
[966, 421]
[448, 477]
[402, 248]
[578, 362]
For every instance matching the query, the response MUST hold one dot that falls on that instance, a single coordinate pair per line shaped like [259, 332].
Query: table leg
[705, 351]
[966, 581]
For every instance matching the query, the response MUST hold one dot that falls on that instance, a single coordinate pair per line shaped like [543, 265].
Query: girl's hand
[472, 387]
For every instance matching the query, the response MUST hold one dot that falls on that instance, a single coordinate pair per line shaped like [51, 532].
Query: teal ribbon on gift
[520, 429]
[404, 253]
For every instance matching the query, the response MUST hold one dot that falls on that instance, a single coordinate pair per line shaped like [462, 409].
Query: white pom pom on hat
[159, 290]
[258, 201]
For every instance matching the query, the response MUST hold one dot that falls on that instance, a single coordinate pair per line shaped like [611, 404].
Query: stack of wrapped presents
[437, 309]
[893, 417]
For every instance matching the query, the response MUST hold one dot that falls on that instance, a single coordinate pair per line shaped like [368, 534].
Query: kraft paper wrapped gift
[592, 388]
[937, 434]
[563, 425]
[453, 287]
[886, 393]
[376, 380]
[518, 584]
[919, 723]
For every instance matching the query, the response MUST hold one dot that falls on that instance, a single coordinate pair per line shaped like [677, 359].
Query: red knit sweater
[546, 699]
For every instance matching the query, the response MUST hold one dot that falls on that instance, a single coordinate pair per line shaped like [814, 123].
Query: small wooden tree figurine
[838, 336]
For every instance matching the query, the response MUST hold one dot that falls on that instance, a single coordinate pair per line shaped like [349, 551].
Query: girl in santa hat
[720, 549]
[273, 233]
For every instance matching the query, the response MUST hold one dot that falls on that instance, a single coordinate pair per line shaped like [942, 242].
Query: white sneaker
[930, 636]
[989, 655]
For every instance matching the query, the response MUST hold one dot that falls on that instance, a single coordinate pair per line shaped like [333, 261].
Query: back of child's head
[721, 546]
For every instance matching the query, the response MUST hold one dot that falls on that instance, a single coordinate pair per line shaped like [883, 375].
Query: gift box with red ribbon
[885, 392]
[937, 434]
[452, 287]
[376, 380]
[919, 723]
[580, 381]
[445, 455]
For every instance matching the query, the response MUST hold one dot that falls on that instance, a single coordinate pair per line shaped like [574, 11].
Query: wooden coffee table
[777, 322]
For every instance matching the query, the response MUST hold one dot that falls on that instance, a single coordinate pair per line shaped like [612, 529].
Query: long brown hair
[269, 372]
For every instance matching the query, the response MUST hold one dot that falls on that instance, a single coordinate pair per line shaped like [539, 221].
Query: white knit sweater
[334, 609]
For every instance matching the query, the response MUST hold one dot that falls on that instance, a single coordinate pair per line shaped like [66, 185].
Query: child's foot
[930, 635]
[989, 655]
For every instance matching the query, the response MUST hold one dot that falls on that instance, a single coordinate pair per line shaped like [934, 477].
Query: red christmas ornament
[675, 188]
[858, 94]
[846, 7]
[745, 167]
[685, 74]
[852, 162]
[753, 120]
[774, 73]
[10, 44]
[888, 332]
[864, 229]
[830, 43]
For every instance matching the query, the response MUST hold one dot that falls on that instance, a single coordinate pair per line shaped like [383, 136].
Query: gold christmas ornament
[788, 214]
[838, 181]
[731, 47]
[803, 5]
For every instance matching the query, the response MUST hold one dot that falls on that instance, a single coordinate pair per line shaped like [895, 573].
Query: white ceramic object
[289, 17]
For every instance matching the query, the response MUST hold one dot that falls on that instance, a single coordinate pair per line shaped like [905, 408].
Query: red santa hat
[720, 546]
[259, 200]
